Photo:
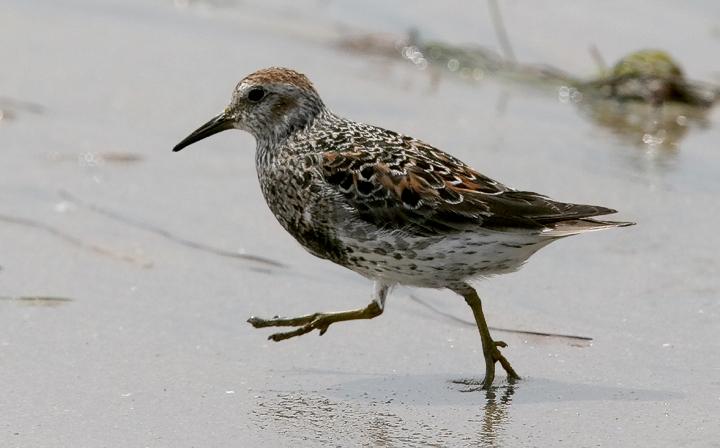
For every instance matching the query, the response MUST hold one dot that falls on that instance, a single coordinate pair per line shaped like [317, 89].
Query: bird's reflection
[495, 416]
[389, 422]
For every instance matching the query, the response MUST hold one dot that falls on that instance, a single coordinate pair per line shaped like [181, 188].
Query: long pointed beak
[220, 123]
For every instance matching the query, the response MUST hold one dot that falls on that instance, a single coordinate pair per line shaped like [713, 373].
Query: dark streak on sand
[164, 233]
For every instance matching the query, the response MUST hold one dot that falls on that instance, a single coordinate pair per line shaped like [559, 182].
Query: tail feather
[575, 226]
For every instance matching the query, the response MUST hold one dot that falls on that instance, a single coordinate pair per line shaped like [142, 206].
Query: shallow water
[127, 271]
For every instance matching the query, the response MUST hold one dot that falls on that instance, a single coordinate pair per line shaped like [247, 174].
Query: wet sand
[127, 272]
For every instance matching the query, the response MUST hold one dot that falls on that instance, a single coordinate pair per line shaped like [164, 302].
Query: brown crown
[279, 75]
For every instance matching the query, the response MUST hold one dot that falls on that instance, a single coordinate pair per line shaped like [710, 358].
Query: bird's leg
[490, 348]
[321, 321]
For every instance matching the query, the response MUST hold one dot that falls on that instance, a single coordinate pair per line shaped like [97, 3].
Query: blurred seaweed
[653, 77]
[469, 62]
[646, 99]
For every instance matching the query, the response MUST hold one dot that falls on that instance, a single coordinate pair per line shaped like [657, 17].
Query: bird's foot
[306, 324]
[493, 355]
[315, 321]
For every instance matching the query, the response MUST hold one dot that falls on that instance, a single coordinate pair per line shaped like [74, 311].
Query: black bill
[220, 123]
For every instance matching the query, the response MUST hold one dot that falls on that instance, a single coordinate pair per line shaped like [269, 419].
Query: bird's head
[271, 104]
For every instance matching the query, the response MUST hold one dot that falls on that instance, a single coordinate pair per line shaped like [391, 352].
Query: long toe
[489, 370]
[491, 358]
[508, 368]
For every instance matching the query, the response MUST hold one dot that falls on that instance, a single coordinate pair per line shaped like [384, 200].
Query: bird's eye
[256, 95]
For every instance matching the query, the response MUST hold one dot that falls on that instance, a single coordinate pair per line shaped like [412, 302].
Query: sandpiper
[385, 205]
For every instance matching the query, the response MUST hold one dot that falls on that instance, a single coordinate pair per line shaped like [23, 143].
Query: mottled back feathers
[397, 182]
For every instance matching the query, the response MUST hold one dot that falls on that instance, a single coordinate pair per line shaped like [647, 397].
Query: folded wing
[425, 191]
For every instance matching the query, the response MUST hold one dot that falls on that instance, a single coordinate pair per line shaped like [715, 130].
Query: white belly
[436, 262]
